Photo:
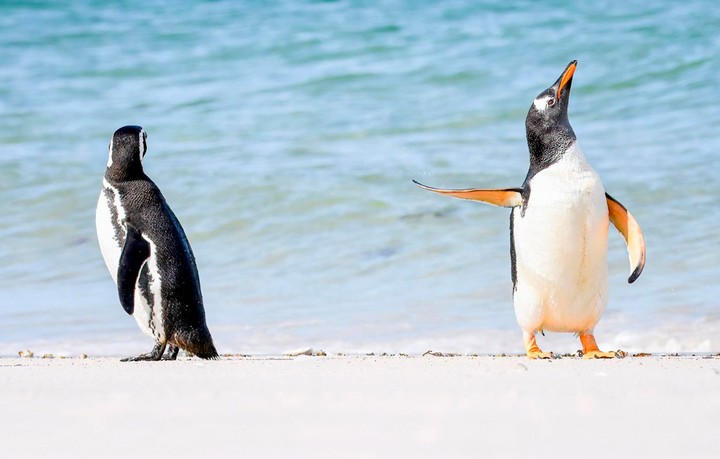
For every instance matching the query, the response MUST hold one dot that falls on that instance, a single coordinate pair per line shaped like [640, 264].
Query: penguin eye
[550, 102]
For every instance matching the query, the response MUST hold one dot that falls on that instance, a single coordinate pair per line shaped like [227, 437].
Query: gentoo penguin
[559, 229]
[148, 255]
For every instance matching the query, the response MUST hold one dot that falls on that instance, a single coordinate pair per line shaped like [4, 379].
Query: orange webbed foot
[539, 355]
[532, 349]
[590, 348]
[598, 355]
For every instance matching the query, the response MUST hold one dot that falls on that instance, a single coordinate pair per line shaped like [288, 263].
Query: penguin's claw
[539, 355]
[172, 353]
[155, 354]
[598, 354]
[140, 358]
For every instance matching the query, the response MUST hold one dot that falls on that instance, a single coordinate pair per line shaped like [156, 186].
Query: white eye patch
[541, 103]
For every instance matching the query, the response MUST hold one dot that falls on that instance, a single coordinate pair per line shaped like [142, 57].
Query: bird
[559, 225]
[148, 254]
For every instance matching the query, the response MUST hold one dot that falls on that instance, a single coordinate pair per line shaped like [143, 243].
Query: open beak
[565, 79]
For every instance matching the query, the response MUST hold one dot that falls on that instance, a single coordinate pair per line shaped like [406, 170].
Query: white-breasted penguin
[559, 229]
[148, 254]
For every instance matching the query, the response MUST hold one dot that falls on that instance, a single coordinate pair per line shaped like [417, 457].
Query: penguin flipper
[510, 197]
[134, 254]
[629, 228]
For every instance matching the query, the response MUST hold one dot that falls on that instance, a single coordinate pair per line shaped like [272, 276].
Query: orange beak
[567, 75]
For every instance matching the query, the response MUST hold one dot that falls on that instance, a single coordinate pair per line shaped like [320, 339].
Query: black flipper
[135, 252]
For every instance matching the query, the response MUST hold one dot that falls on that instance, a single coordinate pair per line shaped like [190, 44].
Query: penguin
[148, 255]
[559, 229]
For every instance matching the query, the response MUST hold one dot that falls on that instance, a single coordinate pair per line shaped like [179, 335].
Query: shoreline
[29, 355]
[361, 406]
[689, 336]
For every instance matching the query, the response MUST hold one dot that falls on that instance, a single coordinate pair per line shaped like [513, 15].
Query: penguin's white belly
[109, 216]
[561, 249]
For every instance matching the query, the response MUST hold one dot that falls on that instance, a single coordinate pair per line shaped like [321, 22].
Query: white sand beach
[361, 407]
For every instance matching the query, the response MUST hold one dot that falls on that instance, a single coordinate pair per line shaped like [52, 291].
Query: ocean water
[285, 137]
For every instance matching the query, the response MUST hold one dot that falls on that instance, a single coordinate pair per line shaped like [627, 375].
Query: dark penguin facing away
[148, 254]
[559, 229]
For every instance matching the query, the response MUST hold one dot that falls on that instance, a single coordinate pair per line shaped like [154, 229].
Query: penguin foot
[155, 354]
[539, 355]
[598, 355]
[590, 348]
[171, 353]
[532, 349]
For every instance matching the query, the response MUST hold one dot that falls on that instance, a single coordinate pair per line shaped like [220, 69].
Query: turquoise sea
[285, 136]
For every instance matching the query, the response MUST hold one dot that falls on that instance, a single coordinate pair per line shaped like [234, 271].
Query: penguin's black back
[182, 305]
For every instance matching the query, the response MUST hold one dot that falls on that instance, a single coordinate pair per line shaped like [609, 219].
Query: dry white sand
[361, 407]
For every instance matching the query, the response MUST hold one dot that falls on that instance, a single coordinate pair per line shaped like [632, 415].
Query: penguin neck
[126, 173]
[548, 146]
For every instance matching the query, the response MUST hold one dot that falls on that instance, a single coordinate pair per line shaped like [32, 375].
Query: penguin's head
[127, 149]
[547, 126]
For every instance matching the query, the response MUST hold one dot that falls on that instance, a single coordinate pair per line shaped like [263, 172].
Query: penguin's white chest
[110, 227]
[561, 248]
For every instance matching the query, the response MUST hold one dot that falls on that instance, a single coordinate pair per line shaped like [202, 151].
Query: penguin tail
[198, 343]
[205, 351]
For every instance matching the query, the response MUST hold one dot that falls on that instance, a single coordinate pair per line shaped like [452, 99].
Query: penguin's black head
[127, 149]
[547, 126]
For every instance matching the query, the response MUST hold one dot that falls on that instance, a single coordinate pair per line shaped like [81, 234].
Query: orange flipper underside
[504, 198]
[629, 228]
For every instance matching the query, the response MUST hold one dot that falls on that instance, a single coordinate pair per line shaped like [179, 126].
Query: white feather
[148, 318]
[561, 248]
[541, 103]
[141, 144]
[110, 152]
[155, 284]
[110, 244]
